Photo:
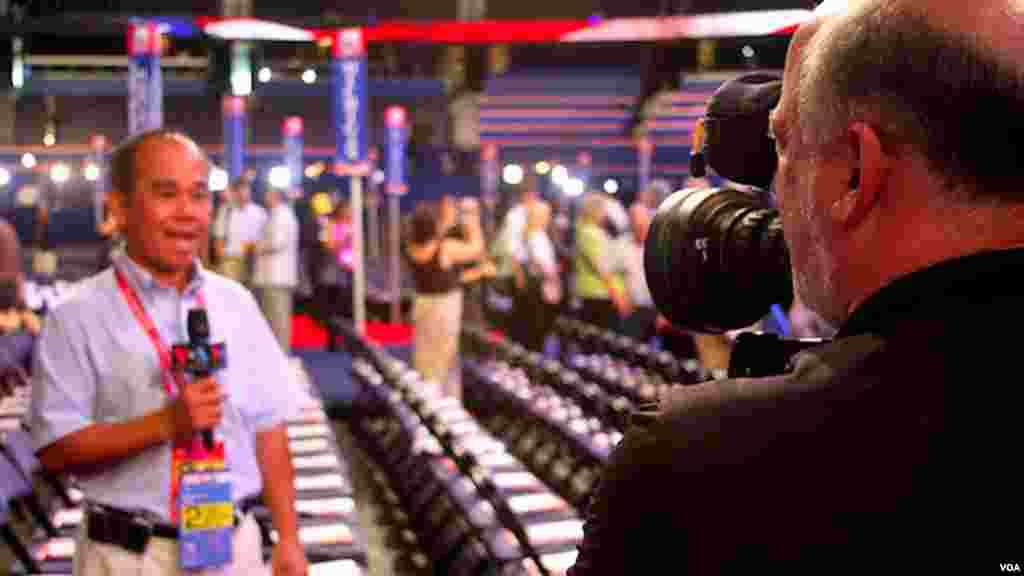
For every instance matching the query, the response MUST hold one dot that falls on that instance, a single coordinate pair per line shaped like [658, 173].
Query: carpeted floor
[308, 334]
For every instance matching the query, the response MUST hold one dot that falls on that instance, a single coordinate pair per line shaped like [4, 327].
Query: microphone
[199, 344]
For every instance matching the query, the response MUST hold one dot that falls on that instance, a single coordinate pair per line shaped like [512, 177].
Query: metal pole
[394, 251]
[358, 261]
[373, 222]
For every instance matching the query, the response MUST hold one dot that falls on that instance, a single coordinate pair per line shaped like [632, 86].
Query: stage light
[5, 177]
[309, 76]
[574, 187]
[92, 172]
[560, 175]
[611, 186]
[264, 75]
[279, 177]
[748, 52]
[49, 139]
[512, 174]
[378, 177]
[28, 160]
[60, 173]
[542, 168]
[218, 180]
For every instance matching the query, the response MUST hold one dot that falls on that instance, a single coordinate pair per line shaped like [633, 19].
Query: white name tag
[326, 507]
[309, 446]
[321, 482]
[529, 503]
[326, 535]
[327, 460]
[552, 532]
[308, 431]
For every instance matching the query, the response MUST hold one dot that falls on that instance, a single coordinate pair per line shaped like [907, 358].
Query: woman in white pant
[437, 261]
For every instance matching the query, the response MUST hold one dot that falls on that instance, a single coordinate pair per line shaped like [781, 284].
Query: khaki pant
[234, 267]
[161, 557]
[276, 302]
[437, 322]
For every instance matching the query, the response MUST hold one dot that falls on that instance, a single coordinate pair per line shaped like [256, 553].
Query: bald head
[942, 80]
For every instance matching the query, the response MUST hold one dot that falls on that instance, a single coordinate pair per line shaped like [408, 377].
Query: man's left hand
[289, 560]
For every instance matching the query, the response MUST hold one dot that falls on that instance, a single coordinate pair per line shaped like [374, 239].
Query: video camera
[715, 258]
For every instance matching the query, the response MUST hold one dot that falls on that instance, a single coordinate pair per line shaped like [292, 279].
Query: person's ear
[867, 169]
[119, 204]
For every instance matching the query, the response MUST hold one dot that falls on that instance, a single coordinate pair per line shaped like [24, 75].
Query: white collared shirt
[277, 253]
[238, 226]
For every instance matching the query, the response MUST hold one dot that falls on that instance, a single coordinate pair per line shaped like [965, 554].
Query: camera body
[715, 258]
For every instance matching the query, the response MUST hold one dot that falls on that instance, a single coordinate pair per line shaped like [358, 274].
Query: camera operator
[898, 139]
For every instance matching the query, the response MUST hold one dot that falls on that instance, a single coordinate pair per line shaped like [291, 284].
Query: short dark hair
[423, 223]
[936, 91]
[123, 158]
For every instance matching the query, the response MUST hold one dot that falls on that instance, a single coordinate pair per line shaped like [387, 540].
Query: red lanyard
[147, 325]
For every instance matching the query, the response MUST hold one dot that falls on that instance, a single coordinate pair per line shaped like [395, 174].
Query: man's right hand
[198, 407]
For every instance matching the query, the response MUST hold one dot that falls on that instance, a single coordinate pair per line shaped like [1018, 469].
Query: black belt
[132, 530]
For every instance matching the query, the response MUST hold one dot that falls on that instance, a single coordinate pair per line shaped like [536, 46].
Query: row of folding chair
[474, 506]
[547, 431]
[610, 409]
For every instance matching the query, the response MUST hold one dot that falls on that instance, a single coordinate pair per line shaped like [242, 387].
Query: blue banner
[349, 102]
[145, 80]
[292, 131]
[489, 173]
[234, 136]
[644, 155]
[398, 137]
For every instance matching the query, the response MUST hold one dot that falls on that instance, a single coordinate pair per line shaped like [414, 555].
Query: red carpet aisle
[308, 334]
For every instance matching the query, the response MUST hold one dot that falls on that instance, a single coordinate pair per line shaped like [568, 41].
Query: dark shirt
[893, 449]
[430, 278]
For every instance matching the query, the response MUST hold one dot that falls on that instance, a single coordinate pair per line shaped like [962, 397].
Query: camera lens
[715, 259]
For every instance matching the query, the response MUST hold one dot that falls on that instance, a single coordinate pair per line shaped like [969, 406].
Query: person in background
[475, 277]
[336, 273]
[277, 266]
[19, 326]
[437, 262]
[508, 250]
[237, 234]
[640, 324]
[107, 409]
[597, 284]
[543, 287]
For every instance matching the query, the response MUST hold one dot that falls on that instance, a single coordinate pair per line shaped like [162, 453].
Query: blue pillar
[234, 136]
[349, 106]
[489, 185]
[145, 80]
[291, 131]
[584, 170]
[349, 102]
[644, 156]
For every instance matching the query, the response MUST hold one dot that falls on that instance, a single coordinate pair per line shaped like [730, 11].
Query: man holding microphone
[108, 407]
